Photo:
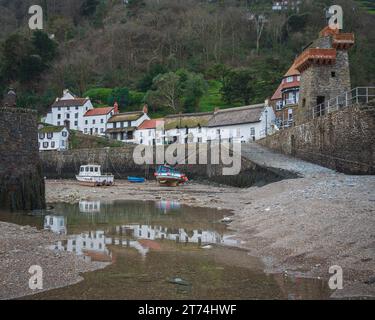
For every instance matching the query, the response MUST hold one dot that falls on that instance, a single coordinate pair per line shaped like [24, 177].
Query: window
[52, 144]
[96, 130]
[333, 74]
[76, 115]
[76, 108]
[62, 143]
[49, 135]
[59, 116]
[101, 130]
[59, 108]
[68, 108]
[252, 132]
[199, 140]
[96, 169]
[298, 78]
[114, 125]
[68, 116]
[64, 134]
[76, 123]
[93, 121]
[86, 121]
[149, 133]
[289, 79]
[58, 123]
[129, 123]
[41, 135]
[91, 169]
[87, 169]
[45, 145]
[85, 130]
[102, 120]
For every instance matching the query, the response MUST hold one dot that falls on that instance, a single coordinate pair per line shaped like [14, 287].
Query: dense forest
[175, 55]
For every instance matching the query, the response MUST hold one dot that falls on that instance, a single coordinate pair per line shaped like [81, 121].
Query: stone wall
[21, 178]
[119, 161]
[343, 140]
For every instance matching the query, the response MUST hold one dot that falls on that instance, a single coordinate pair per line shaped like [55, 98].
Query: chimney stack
[145, 109]
[116, 108]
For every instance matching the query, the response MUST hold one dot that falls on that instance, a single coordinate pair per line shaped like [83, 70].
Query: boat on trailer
[170, 177]
[91, 175]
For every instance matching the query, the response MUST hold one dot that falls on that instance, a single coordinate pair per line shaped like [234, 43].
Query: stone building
[324, 68]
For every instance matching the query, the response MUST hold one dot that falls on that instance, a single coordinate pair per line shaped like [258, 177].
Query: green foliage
[99, 95]
[239, 86]
[213, 97]
[145, 83]
[43, 46]
[179, 91]
[88, 7]
[121, 96]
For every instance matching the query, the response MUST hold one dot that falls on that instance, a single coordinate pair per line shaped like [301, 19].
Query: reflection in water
[166, 206]
[56, 224]
[148, 244]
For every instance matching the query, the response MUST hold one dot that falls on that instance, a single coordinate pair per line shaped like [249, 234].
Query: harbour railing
[361, 95]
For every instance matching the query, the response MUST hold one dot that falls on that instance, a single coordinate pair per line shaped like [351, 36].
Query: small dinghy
[91, 175]
[136, 179]
[167, 176]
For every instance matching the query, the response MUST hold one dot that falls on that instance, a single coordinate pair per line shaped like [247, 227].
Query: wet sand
[300, 226]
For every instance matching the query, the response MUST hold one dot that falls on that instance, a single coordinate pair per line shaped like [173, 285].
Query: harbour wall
[21, 179]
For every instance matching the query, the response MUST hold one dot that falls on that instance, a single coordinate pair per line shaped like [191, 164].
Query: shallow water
[161, 250]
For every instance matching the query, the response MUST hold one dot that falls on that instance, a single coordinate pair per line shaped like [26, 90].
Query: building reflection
[56, 224]
[95, 244]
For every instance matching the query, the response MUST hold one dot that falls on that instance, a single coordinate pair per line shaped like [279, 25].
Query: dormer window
[289, 79]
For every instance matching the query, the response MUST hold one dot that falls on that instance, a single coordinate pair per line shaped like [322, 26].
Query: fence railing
[357, 95]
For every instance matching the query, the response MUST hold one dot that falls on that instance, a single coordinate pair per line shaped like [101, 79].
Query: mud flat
[23, 247]
[300, 226]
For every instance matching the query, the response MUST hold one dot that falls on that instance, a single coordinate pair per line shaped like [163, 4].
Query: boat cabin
[90, 170]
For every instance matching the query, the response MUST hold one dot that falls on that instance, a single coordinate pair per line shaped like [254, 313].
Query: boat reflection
[166, 206]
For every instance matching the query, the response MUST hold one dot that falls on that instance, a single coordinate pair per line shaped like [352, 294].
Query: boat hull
[96, 181]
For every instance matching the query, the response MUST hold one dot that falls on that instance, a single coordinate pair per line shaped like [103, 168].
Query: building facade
[53, 138]
[150, 132]
[286, 98]
[243, 124]
[69, 111]
[122, 126]
[186, 128]
[96, 120]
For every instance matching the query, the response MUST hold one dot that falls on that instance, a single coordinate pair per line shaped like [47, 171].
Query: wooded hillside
[211, 53]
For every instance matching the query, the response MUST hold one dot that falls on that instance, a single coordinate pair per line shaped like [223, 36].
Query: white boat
[91, 175]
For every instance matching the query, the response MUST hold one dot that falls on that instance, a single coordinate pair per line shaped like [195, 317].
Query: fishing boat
[168, 176]
[91, 175]
[136, 179]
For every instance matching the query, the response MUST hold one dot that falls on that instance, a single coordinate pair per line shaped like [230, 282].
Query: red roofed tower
[324, 68]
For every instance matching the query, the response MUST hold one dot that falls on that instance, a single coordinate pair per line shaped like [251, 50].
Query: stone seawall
[119, 161]
[342, 140]
[21, 179]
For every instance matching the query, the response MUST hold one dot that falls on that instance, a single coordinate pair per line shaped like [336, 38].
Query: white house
[150, 132]
[69, 111]
[56, 224]
[95, 120]
[122, 126]
[53, 138]
[241, 124]
[187, 128]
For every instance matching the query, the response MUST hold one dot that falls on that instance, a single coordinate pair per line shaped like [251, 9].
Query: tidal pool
[160, 250]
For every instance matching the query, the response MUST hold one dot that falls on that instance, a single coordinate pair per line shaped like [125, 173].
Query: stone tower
[324, 67]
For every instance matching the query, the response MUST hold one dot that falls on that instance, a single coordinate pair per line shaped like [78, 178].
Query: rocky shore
[23, 247]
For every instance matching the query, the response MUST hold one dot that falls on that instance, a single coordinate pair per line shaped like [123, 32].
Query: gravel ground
[23, 247]
[301, 226]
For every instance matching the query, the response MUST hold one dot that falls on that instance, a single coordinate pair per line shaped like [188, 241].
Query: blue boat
[136, 179]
